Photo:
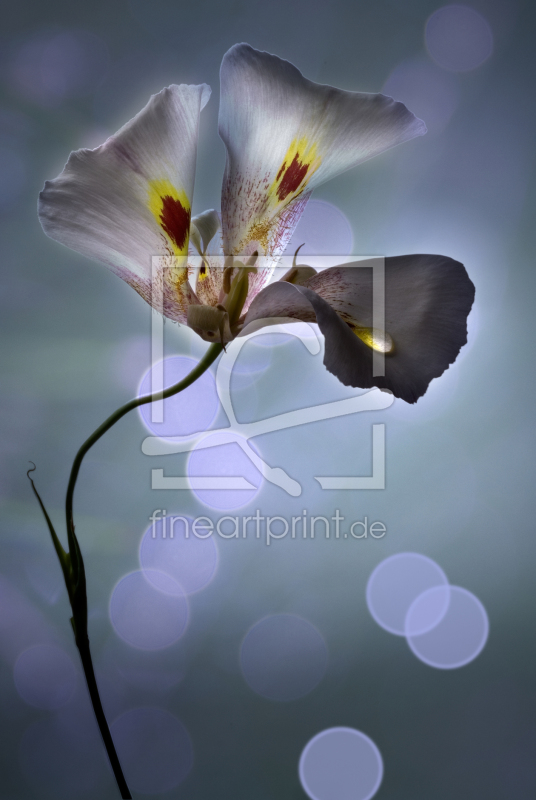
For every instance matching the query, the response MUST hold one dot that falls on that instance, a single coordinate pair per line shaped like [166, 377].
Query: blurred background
[219, 660]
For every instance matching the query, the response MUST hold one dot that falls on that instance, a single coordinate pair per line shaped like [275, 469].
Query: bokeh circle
[283, 657]
[458, 38]
[341, 764]
[191, 411]
[458, 638]
[189, 559]
[396, 583]
[146, 617]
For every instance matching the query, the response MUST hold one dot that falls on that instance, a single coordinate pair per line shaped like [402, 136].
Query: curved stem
[74, 570]
[210, 356]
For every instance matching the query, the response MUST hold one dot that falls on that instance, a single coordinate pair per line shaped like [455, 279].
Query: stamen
[374, 338]
[251, 260]
[227, 273]
[298, 273]
[296, 254]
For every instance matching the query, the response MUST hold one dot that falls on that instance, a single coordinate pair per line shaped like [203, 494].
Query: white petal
[209, 280]
[285, 135]
[427, 301]
[130, 198]
[204, 227]
[205, 234]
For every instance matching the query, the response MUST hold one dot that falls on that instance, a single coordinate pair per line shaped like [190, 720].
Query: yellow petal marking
[374, 338]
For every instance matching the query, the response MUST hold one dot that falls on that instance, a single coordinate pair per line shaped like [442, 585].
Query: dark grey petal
[427, 301]
[278, 300]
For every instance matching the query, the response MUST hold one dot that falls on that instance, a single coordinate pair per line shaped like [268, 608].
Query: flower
[130, 200]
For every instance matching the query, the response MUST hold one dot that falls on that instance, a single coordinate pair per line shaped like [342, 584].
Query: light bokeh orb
[225, 458]
[145, 617]
[458, 38]
[460, 635]
[283, 657]
[341, 764]
[190, 560]
[396, 583]
[190, 411]
[427, 611]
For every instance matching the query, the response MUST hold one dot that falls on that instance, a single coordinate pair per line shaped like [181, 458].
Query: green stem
[72, 562]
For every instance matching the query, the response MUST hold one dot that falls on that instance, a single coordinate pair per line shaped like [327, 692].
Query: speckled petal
[285, 135]
[130, 198]
[206, 237]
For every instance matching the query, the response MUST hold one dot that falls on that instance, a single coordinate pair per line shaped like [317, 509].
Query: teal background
[460, 488]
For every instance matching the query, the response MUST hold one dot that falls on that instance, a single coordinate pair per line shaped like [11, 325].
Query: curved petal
[285, 135]
[203, 229]
[427, 301]
[130, 198]
[277, 301]
[205, 234]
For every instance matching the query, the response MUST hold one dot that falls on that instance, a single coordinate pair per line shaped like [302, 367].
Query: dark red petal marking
[293, 177]
[175, 220]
